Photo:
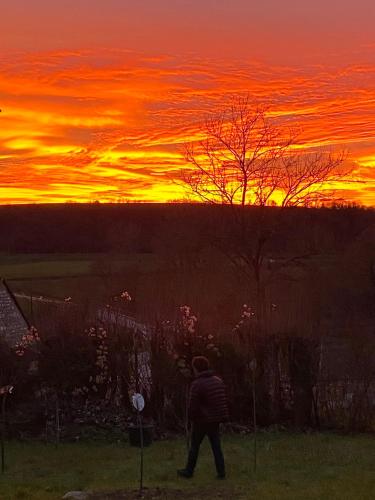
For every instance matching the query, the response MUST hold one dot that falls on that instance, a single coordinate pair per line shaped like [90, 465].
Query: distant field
[61, 275]
[33, 266]
[290, 467]
[45, 269]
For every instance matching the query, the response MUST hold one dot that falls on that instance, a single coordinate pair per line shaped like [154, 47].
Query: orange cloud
[109, 125]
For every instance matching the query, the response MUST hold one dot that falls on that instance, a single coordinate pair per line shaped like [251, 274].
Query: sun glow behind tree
[248, 158]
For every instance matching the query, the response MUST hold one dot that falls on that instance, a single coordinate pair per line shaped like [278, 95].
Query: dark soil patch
[157, 494]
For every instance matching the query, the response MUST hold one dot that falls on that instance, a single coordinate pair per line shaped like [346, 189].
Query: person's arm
[193, 401]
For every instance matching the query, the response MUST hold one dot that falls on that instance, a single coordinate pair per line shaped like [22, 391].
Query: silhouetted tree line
[138, 228]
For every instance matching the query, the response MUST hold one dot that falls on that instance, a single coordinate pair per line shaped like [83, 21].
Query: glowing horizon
[106, 123]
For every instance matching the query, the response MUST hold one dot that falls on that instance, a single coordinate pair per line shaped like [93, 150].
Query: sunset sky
[98, 96]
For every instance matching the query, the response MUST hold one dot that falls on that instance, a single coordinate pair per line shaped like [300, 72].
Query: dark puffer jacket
[208, 400]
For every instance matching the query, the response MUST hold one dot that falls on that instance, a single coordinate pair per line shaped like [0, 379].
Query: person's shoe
[220, 476]
[184, 473]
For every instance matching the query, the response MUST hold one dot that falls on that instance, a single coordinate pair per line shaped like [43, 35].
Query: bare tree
[307, 178]
[235, 163]
[247, 159]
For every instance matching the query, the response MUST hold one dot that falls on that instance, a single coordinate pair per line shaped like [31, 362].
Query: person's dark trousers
[199, 431]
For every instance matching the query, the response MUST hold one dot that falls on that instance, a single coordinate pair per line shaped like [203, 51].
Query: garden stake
[3, 433]
[57, 423]
[253, 366]
[141, 465]
[139, 403]
[4, 391]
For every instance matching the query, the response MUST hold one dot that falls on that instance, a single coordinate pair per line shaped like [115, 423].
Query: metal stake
[3, 433]
[255, 423]
[4, 391]
[141, 464]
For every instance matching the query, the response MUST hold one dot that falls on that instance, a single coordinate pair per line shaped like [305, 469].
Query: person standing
[207, 409]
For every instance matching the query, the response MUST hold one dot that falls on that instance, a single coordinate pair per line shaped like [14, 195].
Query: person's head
[200, 364]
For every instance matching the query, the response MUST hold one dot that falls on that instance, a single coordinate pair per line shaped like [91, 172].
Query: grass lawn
[316, 466]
